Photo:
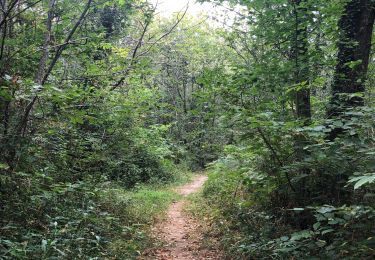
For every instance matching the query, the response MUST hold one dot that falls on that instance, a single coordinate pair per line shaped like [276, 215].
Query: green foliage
[279, 171]
[337, 232]
[253, 195]
[244, 230]
[75, 151]
[362, 180]
[83, 221]
[99, 99]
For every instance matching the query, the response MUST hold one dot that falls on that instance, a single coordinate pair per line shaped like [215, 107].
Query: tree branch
[139, 45]
[273, 151]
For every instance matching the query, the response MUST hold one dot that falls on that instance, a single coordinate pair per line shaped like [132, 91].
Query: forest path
[181, 234]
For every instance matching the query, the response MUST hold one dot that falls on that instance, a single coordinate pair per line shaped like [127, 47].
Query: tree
[301, 58]
[354, 46]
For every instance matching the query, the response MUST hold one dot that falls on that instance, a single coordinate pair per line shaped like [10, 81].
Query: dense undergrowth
[246, 231]
[91, 133]
[295, 179]
[86, 221]
[252, 218]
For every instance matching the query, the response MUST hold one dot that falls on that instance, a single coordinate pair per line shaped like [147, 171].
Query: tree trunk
[41, 72]
[356, 26]
[302, 96]
[301, 59]
[47, 72]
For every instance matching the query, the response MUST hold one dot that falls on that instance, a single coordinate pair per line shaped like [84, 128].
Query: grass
[87, 220]
[138, 210]
[214, 205]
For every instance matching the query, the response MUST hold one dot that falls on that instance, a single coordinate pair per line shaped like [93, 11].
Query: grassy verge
[87, 220]
[138, 210]
[228, 214]
[206, 210]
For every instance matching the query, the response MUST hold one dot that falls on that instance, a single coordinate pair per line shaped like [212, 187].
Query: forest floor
[180, 234]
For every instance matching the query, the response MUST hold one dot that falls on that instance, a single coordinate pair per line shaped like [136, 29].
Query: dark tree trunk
[354, 46]
[301, 59]
[356, 26]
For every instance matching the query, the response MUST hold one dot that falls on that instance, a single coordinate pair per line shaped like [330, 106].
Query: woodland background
[104, 104]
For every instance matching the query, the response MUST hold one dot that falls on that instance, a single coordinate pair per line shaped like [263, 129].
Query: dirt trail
[180, 233]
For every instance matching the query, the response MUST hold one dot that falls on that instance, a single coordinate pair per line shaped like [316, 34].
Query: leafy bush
[343, 232]
[251, 195]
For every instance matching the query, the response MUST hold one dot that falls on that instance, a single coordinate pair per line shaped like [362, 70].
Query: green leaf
[326, 209]
[362, 180]
[302, 234]
[321, 243]
[318, 128]
[44, 245]
[316, 225]
[327, 231]
[284, 238]
[4, 166]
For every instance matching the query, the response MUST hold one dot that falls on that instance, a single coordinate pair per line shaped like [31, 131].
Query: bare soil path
[180, 233]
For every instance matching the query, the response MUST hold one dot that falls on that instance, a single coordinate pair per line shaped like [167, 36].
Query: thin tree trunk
[67, 40]
[41, 72]
[47, 41]
[53, 63]
[302, 94]
[301, 59]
